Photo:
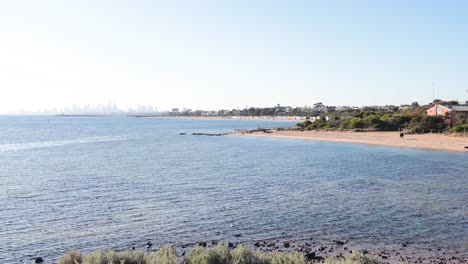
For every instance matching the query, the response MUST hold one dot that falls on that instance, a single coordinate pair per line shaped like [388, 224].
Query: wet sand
[422, 141]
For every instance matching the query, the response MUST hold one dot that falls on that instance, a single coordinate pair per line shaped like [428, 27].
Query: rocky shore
[316, 251]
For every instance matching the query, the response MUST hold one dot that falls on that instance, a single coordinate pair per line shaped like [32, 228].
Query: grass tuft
[72, 257]
[165, 255]
[355, 258]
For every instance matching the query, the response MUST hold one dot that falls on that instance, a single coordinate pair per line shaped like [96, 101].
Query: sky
[230, 54]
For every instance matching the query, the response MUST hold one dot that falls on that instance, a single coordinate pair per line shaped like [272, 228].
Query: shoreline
[231, 118]
[439, 142]
[316, 250]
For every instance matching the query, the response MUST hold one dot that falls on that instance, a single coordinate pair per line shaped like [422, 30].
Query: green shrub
[224, 254]
[462, 128]
[113, 257]
[243, 255]
[355, 258]
[165, 255]
[72, 257]
[289, 258]
[204, 256]
[102, 257]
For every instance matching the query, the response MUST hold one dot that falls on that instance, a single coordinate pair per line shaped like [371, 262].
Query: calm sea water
[86, 183]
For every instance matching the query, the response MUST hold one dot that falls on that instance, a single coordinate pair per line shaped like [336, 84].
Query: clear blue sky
[227, 54]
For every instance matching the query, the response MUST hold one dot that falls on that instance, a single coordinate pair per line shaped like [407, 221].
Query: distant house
[283, 109]
[438, 110]
[458, 110]
[451, 112]
[406, 107]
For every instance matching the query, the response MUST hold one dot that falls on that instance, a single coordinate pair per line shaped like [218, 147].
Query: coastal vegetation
[412, 121]
[412, 118]
[461, 125]
[377, 121]
[218, 255]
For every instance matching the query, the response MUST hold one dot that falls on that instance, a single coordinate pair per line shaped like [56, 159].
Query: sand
[422, 141]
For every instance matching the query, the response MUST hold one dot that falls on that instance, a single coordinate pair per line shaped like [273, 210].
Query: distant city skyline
[109, 108]
[217, 54]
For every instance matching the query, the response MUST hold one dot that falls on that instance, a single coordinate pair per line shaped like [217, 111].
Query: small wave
[58, 143]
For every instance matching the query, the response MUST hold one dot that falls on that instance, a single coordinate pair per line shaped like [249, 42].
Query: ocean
[115, 182]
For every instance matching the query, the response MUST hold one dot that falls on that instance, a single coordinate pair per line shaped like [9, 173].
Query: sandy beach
[422, 141]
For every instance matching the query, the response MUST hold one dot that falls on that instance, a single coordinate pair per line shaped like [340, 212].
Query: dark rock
[404, 245]
[183, 253]
[149, 244]
[202, 244]
[237, 235]
[214, 242]
[257, 244]
[310, 255]
[338, 242]
[182, 134]
[384, 257]
[133, 248]
[38, 260]
[286, 244]
[231, 245]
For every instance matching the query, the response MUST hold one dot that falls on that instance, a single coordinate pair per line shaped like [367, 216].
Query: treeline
[460, 125]
[415, 121]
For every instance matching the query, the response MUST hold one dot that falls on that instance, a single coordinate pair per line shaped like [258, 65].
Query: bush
[112, 257]
[204, 256]
[355, 258]
[166, 255]
[462, 128]
[356, 122]
[290, 258]
[304, 124]
[72, 257]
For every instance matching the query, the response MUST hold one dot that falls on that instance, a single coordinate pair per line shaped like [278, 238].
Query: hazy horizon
[212, 55]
